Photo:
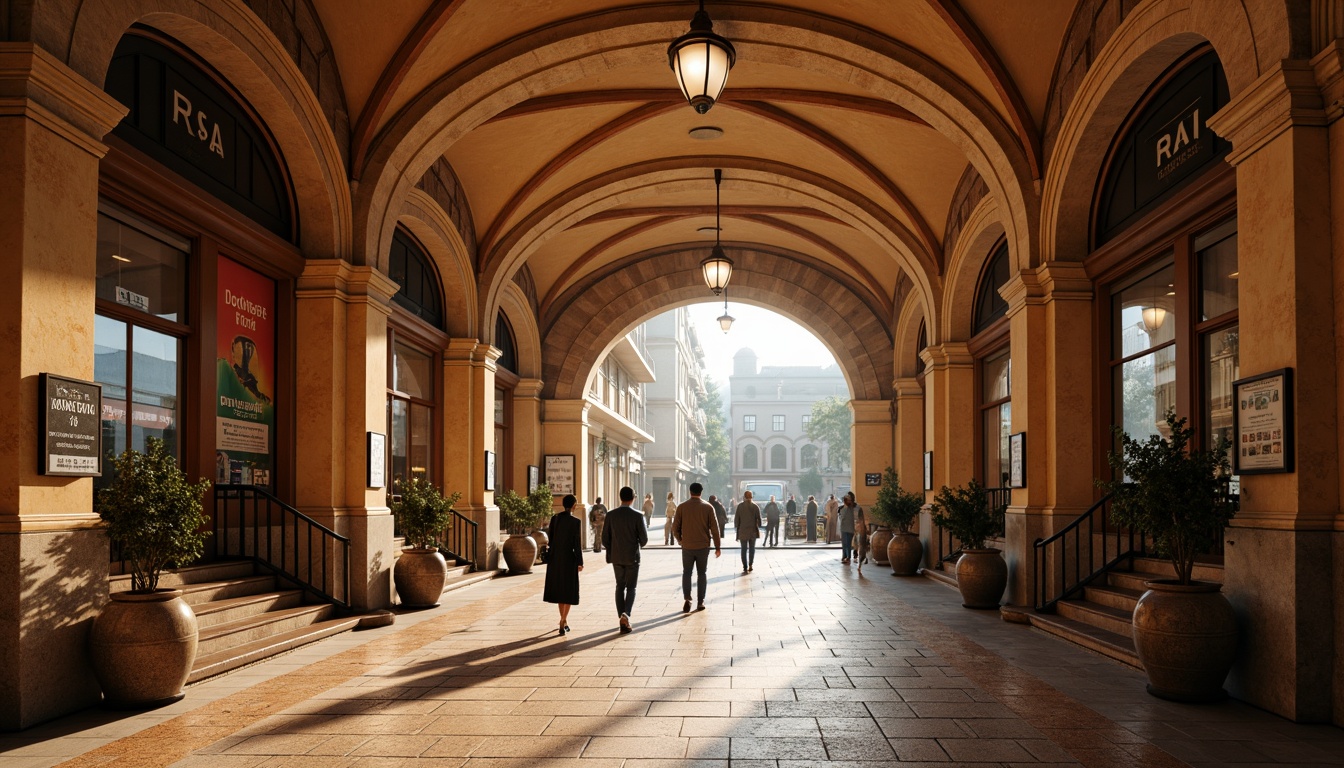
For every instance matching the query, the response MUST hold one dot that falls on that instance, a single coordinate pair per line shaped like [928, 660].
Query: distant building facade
[675, 406]
[618, 426]
[770, 408]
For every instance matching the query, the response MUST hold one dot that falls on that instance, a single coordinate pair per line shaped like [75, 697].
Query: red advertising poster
[245, 376]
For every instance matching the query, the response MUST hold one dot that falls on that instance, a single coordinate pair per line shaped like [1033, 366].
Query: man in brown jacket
[695, 526]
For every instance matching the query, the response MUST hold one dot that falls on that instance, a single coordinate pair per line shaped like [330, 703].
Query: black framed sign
[928, 470]
[72, 428]
[1017, 460]
[489, 470]
[560, 473]
[377, 453]
[533, 477]
[872, 478]
[1263, 423]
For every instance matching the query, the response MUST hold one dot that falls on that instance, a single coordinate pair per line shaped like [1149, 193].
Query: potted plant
[423, 513]
[519, 515]
[981, 573]
[143, 642]
[1176, 494]
[898, 509]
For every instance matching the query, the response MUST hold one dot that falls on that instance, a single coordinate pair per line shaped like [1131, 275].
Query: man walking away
[747, 521]
[648, 510]
[772, 523]
[596, 516]
[695, 526]
[811, 519]
[846, 526]
[790, 512]
[721, 514]
[623, 535]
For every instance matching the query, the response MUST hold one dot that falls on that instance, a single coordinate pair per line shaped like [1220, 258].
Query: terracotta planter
[143, 646]
[905, 553]
[520, 553]
[543, 539]
[419, 576]
[982, 576]
[1186, 637]
[877, 545]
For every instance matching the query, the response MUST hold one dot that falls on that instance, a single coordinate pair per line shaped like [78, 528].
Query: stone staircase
[246, 615]
[1100, 620]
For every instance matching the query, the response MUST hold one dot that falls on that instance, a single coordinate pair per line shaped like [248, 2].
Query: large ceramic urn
[419, 576]
[877, 544]
[1186, 637]
[982, 576]
[520, 553]
[143, 646]
[543, 540]
[904, 552]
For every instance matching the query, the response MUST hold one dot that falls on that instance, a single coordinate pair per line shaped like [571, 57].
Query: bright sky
[776, 339]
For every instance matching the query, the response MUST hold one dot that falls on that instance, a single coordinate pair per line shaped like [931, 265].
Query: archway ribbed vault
[579, 327]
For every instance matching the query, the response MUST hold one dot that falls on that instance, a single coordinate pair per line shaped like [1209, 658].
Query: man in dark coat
[771, 523]
[720, 513]
[790, 512]
[623, 535]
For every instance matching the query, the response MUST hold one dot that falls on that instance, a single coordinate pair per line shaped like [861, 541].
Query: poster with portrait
[1263, 427]
[244, 376]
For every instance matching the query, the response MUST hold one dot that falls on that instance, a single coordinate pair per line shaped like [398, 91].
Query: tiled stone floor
[800, 663]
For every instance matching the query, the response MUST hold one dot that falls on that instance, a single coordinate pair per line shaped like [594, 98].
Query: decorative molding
[34, 84]
[442, 185]
[1286, 96]
[971, 189]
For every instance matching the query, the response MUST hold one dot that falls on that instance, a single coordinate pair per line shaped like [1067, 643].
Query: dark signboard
[72, 430]
[1164, 145]
[872, 478]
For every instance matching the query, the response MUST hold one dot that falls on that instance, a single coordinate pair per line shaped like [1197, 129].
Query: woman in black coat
[564, 562]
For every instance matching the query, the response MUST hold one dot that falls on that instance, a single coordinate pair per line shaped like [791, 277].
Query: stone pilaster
[342, 357]
[873, 444]
[1052, 403]
[468, 432]
[526, 430]
[565, 430]
[949, 412]
[1279, 546]
[909, 463]
[53, 557]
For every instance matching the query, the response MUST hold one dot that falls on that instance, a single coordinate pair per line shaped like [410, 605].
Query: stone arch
[755, 453]
[435, 231]
[778, 448]
[588, 319]
[965, 265]
[907, 339]
[1152, 37]
[546, 59]
[526, 337]
[231, 39]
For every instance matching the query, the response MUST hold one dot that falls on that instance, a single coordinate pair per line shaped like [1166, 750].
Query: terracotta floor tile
[615, 726]
[537, 747]
[918, 750]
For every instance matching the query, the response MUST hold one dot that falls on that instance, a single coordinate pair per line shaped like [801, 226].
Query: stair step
[192, 574]
[468, 578]
[1121, 598]
[251, 628]
[942, 577]
[1110, 644]
[1100, 616]
[218, 612]
[1157, 568]
[211, 664]
[208, 591]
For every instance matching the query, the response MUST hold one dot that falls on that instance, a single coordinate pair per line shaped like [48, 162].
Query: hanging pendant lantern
[701, 60]
[718, 268]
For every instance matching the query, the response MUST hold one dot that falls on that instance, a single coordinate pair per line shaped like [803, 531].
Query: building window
[777, 422]
[508, 350]
[779, 457]
[749, 460]
[748, 423]
[807, 421]
[410, 414]
[996, 417]
[989, 305]
[409, 267]
[809, 457]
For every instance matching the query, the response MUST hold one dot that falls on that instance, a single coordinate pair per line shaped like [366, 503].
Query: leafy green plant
[896, 507]
[810, 484]
[423, 512]
[964, 512]
[520, 514]
[1172, 491]
[153, 513]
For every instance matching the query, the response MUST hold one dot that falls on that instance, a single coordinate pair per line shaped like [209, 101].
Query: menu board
[560, 473]
[72, 429]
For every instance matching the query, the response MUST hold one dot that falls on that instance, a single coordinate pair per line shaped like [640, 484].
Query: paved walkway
[800, 663]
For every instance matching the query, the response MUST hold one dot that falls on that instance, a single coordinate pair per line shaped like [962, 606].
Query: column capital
[907, 388]
[1052, 281]
[470, 352]
[1329, 66]
[949, 354]
[566, 412]
[528, 388]
[37, 85]
[871, 411]
[339, 279]
[1286, 96]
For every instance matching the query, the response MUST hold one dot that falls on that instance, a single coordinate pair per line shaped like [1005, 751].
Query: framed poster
[489, 470]
[1262, 428]
[533, 477]
[72, 428]
[928, 470]
[1017, 460]
[560, 473]
[872, 478]
[377, 453]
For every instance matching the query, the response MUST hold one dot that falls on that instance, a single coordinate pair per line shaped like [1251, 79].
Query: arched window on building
[415, 334]
[779, 457]
[809, 457]
[993, 369]
[409, 267]
[749, 460]
[506, 379]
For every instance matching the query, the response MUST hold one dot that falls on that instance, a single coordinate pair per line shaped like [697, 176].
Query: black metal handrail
[252, 524]
[459, 541]
[1082, 551]
[949, 549]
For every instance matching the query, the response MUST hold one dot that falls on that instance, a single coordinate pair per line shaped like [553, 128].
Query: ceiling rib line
[577, 265]
[539, 104]
[565, 157]
[706, 210]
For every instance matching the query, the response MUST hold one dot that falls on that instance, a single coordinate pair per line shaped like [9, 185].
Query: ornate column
[1279, 546]
[526, 430]
[1052, 403]
[909, 459]
[565, 431]
[873, 445]
[949, 418]
[468, 432]
[341, 358]
[53, 559]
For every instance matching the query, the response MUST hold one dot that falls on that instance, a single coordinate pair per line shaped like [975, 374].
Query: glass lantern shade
[701, 60]
[718, 269]
[725, 320]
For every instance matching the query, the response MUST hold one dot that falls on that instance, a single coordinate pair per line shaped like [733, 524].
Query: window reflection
[1146, 313]
[1145, 389]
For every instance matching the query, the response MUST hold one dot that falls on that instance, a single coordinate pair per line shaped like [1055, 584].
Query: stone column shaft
[873, 444]
[468, 432]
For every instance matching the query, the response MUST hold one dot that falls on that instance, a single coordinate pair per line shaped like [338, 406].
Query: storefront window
[140, 271]
[1219, 345]
[1144, 353]
[410, 414]
[996, 415]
